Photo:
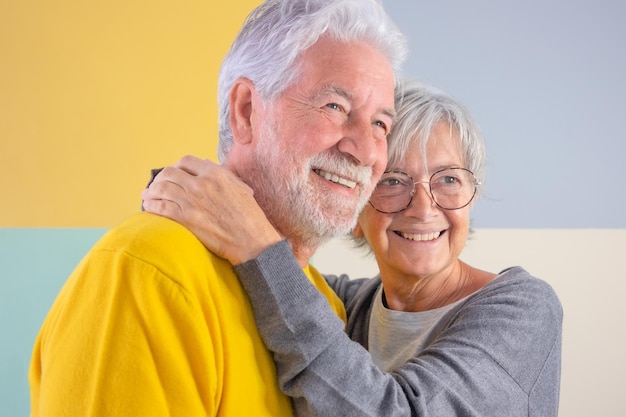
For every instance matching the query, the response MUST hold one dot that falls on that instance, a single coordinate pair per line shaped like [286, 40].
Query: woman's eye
[390, 182]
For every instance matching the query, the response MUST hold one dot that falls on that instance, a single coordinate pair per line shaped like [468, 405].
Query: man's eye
[334, 106]
[382, 125]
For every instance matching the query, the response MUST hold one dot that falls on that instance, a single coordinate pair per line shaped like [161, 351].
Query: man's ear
[241, 103]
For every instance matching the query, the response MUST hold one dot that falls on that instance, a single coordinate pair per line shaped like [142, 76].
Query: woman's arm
[215, 205]
[498, 355]
[318, 365]
[221, 211]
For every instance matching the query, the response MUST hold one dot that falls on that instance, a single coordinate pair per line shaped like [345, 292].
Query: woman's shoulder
[518, 277]
[515, 286]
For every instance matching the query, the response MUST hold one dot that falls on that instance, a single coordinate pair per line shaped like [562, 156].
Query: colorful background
[94, 95]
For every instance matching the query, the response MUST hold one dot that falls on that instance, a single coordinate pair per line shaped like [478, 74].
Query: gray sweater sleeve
[496, 355]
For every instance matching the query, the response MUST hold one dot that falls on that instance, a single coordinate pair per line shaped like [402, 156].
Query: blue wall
[545, 81]
[35, 263]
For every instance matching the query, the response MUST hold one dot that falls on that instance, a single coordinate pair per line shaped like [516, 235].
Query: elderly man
[142, 327]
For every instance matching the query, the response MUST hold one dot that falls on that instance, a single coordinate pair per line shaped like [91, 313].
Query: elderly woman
[436, 336]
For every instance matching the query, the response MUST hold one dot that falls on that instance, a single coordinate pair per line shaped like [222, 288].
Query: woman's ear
[241, 99]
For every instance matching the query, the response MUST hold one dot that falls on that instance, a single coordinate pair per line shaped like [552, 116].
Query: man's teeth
[421, 237]
[335, 178]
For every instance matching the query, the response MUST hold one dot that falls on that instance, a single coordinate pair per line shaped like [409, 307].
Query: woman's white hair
[419, 107]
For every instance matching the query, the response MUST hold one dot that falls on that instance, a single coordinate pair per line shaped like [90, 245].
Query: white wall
[586, 267]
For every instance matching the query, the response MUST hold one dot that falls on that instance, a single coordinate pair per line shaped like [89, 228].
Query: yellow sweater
[152, 324]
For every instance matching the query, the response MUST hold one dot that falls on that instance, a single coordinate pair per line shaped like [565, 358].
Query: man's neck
[302, 252]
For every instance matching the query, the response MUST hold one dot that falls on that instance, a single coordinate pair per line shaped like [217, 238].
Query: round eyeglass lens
[452, 188]
[393, 193]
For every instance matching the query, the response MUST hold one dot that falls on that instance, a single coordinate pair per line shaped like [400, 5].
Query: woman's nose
[422, 201]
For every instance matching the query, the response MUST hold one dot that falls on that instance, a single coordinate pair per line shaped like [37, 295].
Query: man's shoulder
[147, 229]
[156, 240]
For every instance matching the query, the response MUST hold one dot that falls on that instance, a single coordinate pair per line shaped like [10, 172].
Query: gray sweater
[497, 353]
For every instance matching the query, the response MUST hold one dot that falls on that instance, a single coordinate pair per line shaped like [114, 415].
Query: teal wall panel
[35, 263]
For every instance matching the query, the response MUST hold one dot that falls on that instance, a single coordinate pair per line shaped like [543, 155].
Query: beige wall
[586, 268]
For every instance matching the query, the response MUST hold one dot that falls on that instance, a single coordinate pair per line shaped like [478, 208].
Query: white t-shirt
[397, 336]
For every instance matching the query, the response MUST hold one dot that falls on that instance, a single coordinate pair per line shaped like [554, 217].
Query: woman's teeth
[420, 236]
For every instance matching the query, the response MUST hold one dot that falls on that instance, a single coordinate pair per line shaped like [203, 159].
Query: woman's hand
[215, 204]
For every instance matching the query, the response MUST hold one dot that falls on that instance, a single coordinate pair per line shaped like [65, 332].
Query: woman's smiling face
[423, 240]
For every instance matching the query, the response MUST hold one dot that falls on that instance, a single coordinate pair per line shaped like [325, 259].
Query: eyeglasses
[450, 189]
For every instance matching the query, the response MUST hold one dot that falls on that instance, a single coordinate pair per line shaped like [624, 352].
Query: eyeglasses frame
[430, 191]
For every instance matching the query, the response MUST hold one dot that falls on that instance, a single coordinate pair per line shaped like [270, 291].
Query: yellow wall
[94, 94]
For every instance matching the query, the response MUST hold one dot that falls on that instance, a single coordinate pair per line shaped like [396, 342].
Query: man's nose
[360, 142]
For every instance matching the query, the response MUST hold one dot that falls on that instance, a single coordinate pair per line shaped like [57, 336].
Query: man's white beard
[304, 214]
